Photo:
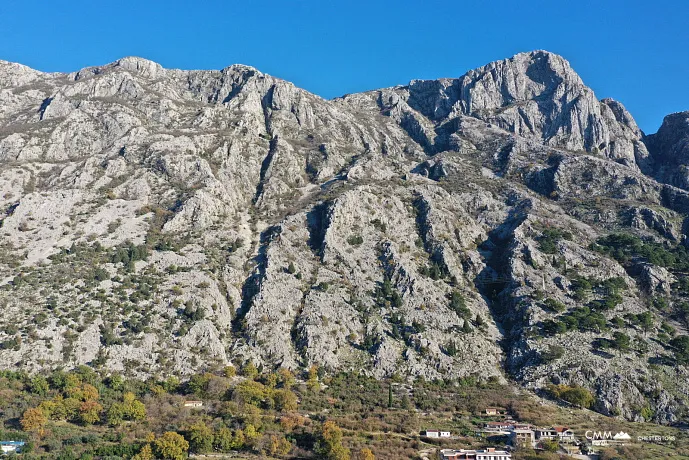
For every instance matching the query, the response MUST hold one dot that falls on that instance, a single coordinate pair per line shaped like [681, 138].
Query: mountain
[506, 225]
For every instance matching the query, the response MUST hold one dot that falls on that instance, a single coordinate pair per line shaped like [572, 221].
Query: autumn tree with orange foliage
[33, 421]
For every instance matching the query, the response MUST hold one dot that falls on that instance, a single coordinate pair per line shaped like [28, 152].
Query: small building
[522, 426]
[500, 426]
[564, 434]
[9, 447]
[194, 404]
[495, 411]
[431, 433]
[490, 453]
[545, 434]
[520, 437]
[435, 434]
[556, 433]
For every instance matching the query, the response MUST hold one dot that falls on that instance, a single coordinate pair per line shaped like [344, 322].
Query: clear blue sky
[634, 51]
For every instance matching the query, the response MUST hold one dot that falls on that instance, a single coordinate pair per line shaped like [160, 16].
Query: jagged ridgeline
[504, 225]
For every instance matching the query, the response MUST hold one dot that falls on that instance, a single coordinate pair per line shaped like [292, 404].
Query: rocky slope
[159, 221]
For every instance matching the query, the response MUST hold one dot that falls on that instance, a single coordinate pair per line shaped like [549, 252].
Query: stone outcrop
[670, 150]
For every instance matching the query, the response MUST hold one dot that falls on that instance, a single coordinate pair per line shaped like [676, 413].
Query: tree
[550, 445]
[201, 437]
[250, 392]
[279, 446]
[89, 412]
[312, 381]
[387, 287]
[366, 454]
[171, 384]
[458, 305]
[645, 321]
[479, 321]
[116, 414]
[406, 402]
[230, 371]
[681, 346]
[682, 313]
[146, 453]
[329, 443]
[249, 370]
[621, 341]
[238, 439]
[251, 435]
[71, 408]
[38, 385]
[270, 380]
[85, 392]
[291, 269]
[171, 446]
[287, 379]
[33, 421]
[129, 409]
[578, 396]
[553, 353]
[223, 440]
[285, 400]
[198, 383]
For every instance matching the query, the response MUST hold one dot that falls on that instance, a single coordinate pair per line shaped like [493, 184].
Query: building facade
[9, 447]
[483, 454]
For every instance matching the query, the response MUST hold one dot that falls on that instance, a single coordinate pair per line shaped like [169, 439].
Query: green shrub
[553, 353]
[547, 242]
[555, 305]
[355, 240]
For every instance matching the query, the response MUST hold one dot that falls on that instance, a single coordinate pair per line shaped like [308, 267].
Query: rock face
[535, 95]
[160, 221]
[670, 150]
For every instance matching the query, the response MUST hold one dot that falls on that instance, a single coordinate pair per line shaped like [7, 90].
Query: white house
[195, 404]
[484, 454]
[556, 433]
[436, 434]
[9, 447]
[500, 426]
[565, 434]
[545, 434]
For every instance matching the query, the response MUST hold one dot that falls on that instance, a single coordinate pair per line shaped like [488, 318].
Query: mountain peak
[141, 66]
[535, 94]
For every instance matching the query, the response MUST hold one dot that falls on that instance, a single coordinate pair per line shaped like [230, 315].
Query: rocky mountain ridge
[160, 221]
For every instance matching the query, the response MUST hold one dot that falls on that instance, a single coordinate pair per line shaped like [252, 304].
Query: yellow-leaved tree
[33, 421]
[171, 446]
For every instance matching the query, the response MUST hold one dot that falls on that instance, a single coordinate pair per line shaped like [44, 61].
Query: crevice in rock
[252, 285]
[266, 103]
[423, 229]
[317, 221]
[44, 106]
[272, 150]
[495, 280]
[299, 342]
